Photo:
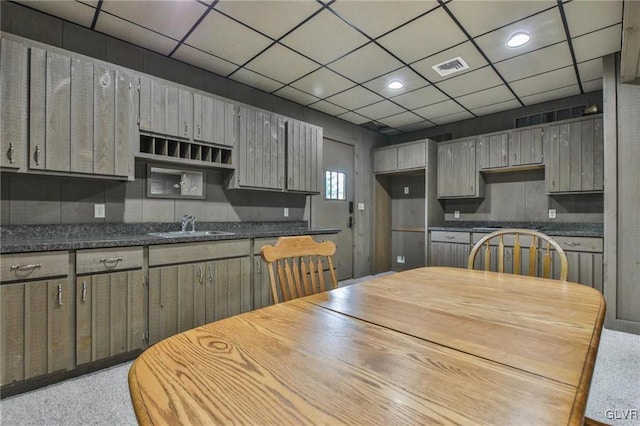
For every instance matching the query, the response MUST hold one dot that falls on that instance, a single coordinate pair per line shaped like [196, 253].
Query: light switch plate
[552, 213]
[400, 259]
[456, 214]
[406, 190]
[360, 206]
[98, 211]
[286, 212]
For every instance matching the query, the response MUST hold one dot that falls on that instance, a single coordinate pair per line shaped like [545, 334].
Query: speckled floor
[102, 398]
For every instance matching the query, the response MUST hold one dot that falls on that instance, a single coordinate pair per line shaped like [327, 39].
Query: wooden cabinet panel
[449, 254]
[126, 127]
[457, 176]
[385, 160]
[14, 97]
[104, 119]
[412, 156]
[304, 157]
[165, 108]
[575, 160]
[82, 116]
[57, 102]
[526, 146]
[493, 151]
[37, 329]
[262, 295]
[186, 114]
[213, 120]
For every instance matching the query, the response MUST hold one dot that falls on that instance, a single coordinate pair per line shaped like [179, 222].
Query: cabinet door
[449, 254]
[186, 114]
[198, 108]
[303, 169]
[163, 303]
[493, 151]
[14, 96]
[385, 160]
[525, 146]
[261, 285]
[575, 161]
[109, 315]
[228, 290]
[104, 120]
[412, 156]
[125, 123]
[82, 114]
[37, 329]
[457, 176]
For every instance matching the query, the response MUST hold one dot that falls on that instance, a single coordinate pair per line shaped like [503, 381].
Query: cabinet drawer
[22, 266]
[450, 237]
[591, 244]
[508, 240]
[105, 260]
[195, 252]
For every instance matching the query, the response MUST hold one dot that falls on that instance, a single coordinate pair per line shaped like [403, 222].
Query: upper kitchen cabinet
[575, 156]
[515, 149]
[82, 116]
[165, 109]
[398, 158]
[14, 95]
[213, 120]
[260, 150]
[457, 175]
[304, 157]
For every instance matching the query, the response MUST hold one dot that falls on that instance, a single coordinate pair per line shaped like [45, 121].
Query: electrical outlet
[456, 214]
[406, 190]
[400, 259]
[98, 211]
[552, 213]
[286, 212]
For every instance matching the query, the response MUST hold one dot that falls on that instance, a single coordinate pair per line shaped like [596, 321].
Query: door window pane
[334, 185]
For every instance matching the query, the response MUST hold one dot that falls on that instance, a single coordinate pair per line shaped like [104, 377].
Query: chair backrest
[535, 241]
[297, 266]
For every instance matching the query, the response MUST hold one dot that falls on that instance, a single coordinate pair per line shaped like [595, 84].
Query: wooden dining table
[430, 345]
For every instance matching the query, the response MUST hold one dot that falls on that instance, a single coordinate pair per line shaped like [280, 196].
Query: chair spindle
[533, 253]
[305, 276]
[321, 274]
[501, 254]
[487, 257]
[516, 255]
[546, 269]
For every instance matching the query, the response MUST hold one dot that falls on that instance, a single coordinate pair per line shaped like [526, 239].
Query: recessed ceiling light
[518, 39]
[395, 85]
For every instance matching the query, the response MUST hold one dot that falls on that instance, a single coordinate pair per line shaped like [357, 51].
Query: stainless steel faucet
[186, 220]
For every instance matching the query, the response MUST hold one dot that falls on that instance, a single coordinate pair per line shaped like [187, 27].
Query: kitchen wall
[522, 196]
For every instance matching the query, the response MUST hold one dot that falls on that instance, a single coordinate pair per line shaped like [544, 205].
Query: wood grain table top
[429, 345]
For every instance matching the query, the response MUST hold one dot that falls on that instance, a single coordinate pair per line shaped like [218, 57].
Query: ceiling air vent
[449, 67]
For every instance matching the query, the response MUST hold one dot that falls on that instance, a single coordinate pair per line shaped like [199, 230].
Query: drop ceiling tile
[324, 37]
[422, 97]
[479, 17]
[458, 116]
[551, 95]
[322, 83]
[491, 109]
[543, 60]
[475, 81]
[204, 60]
[380, 109]
[551, 80]
[545, 29]
[296, 95]
[352, 117]
[273, 18]
[590, 70]
[272, 63]
[417, 126]
[486, 97]
[171, 18]
[423, 37]
[92, 3]
[409, 78]
[355, 98]
[467, 51]
[77, 12]
[390, 132]
[328, 108]
[366, 63]
[256, 80]
[597, 44]
[587, 16]
[402, 119]
[378, 17]
[592, 86]
[119, 28]
[439, 110]
[222, 37]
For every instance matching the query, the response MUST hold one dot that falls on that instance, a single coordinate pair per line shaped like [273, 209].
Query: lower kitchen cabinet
[585, 258]
[449, 248]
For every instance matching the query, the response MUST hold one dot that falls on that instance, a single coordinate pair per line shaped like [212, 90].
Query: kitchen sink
[186, 234]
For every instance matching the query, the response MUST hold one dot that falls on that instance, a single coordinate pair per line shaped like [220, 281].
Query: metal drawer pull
[36, 155]
[84, 291]
[449, 237]
[211, 274]
[59, 295]
[10, 153]
[201, 274]
[26, 267]
[111, 260]
[571, 244]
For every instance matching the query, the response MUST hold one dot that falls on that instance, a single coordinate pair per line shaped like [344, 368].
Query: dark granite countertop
[27, 238]
[554, 229]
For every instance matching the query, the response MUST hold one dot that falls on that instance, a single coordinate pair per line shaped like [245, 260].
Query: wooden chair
[547, 244]
[297, 266]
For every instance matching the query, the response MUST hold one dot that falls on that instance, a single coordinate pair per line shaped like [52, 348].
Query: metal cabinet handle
[211, 274]
[111, 260]
[258, 265]
[186, 128]
[59, 295]
[449, 237]
[26, 267]
[10, 152]
[201, 274]
[280, 180]
[571, 244]
[84, 291]
[198, 130]
[36, 155]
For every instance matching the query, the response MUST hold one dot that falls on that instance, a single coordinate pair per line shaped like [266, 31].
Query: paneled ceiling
[339, 56]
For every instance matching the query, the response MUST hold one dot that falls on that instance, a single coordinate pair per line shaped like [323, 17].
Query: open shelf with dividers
[186, 152]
